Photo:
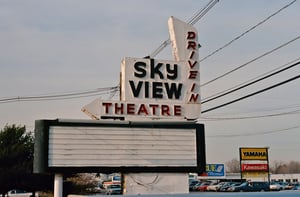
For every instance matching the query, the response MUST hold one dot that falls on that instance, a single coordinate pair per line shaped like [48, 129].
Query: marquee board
[112, 146]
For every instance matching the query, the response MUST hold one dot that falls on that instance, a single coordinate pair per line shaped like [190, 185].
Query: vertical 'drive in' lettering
[192, 46]
[185, 47]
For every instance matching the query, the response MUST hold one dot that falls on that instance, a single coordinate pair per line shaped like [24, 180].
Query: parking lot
[208, 186]
[285, 193]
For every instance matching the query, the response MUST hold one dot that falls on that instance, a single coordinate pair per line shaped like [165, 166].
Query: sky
[63, 46]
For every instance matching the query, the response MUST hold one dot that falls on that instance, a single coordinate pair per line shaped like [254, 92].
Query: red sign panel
[254, 167]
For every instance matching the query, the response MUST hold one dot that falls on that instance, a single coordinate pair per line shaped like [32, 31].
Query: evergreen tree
[16, 156]
[16, 149]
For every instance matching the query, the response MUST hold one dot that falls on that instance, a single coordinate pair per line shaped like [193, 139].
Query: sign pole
[268, 165]
[58, 185]
[241, 171]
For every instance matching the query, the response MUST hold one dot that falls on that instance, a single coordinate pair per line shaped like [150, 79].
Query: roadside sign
[214, 170]
[118, 146]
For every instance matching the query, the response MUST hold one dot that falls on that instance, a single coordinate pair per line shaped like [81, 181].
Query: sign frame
[254, 156]
[213, 170]
[255, 167]
[256, 153]
[41, 149]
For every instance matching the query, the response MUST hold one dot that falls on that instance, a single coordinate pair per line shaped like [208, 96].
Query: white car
[275, 186]
[215, 187]
[18, 193]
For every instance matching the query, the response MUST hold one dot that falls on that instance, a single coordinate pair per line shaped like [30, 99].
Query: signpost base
[58, 185]
[155, 183]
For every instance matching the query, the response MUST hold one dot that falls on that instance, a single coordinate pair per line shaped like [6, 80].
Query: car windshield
[114, 186]
[17, 191]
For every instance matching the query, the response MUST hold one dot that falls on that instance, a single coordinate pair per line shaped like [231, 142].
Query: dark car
[192, 184]
[227, 185]
[113, 189]
[251, 187]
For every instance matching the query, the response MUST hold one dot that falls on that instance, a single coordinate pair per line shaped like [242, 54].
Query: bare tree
[294, 167]
[233, 166]
[275, 167]
[81, 183]
[280, 167]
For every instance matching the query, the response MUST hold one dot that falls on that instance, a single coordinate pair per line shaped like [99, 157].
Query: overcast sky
[64, 46]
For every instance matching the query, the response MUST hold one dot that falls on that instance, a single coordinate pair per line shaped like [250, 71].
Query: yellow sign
[252, 175]
[254, 153]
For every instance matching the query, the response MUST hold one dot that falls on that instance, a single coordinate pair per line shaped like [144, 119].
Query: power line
[245, 64]
[252, 94]
[191, 21]
[254, 134]
[229, 89]
[277, 108]
[250, 83]
[250, 117]
[71, 97]
[202, 12]
[247, 31]
[89, 93]
[261, 110]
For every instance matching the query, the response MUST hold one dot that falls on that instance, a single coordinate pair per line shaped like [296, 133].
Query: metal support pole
[58, 185]
[268, 164]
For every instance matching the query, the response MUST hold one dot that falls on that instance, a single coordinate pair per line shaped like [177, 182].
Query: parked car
[215, 186]
[192, 184]
[289, 186]
[297, 187]
[283, 185]
[194, 188]
[227, 185]
[251, 187]
[202, 186]
[18, 193]
[113, 189]
[275, 186]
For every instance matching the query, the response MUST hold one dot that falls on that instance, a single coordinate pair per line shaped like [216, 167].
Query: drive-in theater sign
[158, 89]
[151, 90]
[152, 128]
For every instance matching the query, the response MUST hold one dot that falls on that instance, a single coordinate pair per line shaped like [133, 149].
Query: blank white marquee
[121, 146]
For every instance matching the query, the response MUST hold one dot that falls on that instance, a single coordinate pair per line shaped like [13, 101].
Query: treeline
[276, 167]
[280, 167]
